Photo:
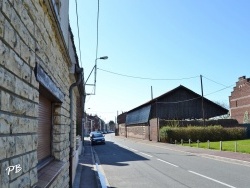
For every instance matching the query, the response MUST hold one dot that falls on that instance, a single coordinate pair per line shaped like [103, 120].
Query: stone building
[240, 100]
[38, 65]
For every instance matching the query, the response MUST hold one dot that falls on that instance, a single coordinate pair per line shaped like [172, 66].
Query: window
[44, 129]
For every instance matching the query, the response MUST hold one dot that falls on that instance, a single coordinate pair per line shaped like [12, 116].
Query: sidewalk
[86, 176]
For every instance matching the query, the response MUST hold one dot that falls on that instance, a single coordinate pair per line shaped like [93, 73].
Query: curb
[99, 174]
[77, 179]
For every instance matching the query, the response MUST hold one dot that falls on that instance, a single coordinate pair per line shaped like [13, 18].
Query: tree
[224, 105]
[112, 125]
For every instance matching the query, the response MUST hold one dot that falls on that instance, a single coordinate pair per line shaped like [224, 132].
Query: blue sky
[161, 39]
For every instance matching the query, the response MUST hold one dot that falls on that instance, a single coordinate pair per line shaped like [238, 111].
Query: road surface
[132, 163]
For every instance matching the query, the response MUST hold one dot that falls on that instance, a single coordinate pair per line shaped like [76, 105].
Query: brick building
[38, 64]
[240, 100]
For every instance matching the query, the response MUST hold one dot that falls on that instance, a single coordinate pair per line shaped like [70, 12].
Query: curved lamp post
[95, 68]
[103, 58]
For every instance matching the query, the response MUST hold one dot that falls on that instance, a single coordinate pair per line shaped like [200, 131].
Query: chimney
[242, 78]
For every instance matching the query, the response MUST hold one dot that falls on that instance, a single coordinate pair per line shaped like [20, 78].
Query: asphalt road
[130, 163]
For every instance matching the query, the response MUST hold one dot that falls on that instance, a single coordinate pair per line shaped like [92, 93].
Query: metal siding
[44, 128]
[138, 116]
[183, 104]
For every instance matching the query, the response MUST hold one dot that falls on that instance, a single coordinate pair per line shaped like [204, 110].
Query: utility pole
[151, 93]
[202, 102]
[117, 130]
[157, 119]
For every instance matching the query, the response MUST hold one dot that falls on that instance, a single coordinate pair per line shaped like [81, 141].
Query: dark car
[97, 138]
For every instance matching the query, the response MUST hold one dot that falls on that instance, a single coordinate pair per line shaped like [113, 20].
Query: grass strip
[243, 146]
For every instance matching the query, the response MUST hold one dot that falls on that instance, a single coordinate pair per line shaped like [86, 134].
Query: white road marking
[102, 177]
[146, 154]
[167, 163]
[213, 157]
[132, 149]
[122, 146]
[211, 179]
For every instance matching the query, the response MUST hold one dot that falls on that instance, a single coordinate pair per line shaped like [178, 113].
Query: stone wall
[122, 131]
[28, 37]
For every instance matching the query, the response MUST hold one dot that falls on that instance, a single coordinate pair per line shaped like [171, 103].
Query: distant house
[180, 103]
[240, 100]
[95, 123]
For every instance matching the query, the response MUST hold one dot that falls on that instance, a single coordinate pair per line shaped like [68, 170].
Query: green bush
[212, 133]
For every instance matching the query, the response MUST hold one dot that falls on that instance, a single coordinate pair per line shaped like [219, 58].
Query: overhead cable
[97, 29]
[219, 90]
[187, 100]
[174, 102]
[214, 81]
[144, 78]
[79, 41]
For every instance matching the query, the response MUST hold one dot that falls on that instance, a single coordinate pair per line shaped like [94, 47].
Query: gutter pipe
[71, 151]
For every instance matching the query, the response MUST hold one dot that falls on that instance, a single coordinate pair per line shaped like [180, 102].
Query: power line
[174, 102]
[214, 81]
[79, 42]
[219, 90]
[178, 101]
[97, 29]
[144, 78]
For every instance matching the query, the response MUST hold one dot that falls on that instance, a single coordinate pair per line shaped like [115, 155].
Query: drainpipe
[71, 151]
[84, 115]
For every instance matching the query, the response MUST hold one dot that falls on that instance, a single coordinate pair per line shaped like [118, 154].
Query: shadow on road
[113, 154]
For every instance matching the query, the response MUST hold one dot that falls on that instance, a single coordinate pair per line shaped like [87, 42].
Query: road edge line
[100, 175]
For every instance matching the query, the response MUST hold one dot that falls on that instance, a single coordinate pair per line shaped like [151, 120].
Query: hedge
[211, 133]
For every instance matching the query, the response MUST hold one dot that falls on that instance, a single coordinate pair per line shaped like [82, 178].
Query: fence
[242, 146]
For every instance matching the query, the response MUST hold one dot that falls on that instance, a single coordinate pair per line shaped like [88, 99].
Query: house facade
[240, 100]
[95, 123]
[38, 65]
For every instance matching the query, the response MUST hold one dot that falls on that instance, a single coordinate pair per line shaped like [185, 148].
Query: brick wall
[134, 131]
[137, 131]
[141, 131]
[27, 37]
[153, 129]
[240, 100]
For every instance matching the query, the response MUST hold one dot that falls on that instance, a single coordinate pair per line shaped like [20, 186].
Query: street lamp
[95, 68]
[103, 58]
[85, 83]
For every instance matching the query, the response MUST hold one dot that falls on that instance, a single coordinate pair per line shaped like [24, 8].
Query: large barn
[180, 103]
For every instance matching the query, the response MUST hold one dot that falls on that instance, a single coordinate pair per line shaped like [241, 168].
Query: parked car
[97, 138]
